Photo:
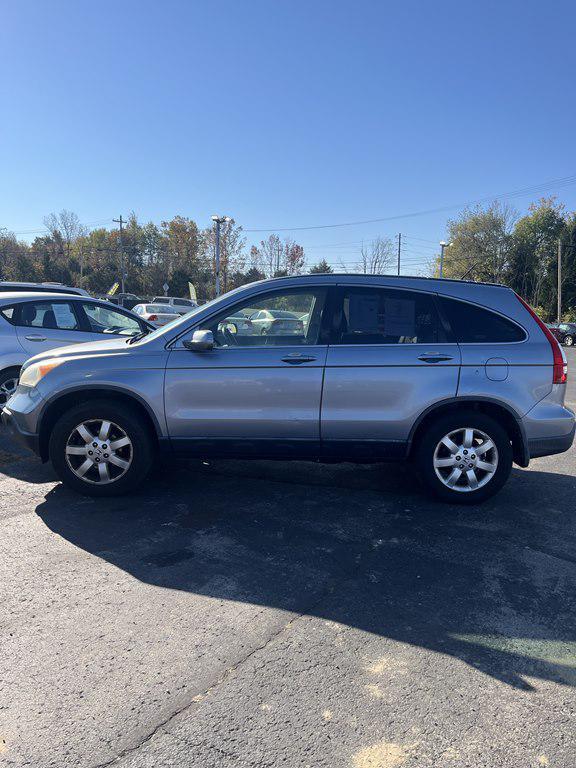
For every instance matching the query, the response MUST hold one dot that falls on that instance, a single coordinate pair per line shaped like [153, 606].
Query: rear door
[389, 359]
[47, 324]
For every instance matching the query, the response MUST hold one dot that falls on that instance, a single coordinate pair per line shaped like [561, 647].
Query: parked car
[461, 378]
[34, 322]
[12, 287]
[566, 333]
[157, 314]
[276, 322]
[183, 306]
[126, 300]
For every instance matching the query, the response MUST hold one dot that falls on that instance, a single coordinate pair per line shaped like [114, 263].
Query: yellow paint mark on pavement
[327, 715]
[385, 754]
[543, 760]
[375, 690]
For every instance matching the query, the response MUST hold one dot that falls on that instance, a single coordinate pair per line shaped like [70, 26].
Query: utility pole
[218, 220]
[399, 251]
[559, 280]
[121, 221]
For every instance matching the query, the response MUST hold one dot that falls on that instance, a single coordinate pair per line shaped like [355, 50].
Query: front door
[389, 359]
[259, 390]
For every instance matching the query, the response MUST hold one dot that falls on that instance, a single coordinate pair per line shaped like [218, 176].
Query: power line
[534, 189]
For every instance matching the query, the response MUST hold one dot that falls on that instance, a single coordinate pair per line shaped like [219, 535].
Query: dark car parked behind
[565, 333]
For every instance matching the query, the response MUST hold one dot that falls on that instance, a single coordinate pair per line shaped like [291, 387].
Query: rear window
[472, 324]
[184, 303]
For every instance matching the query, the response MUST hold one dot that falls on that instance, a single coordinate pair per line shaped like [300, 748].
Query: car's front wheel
[465, 458]
[8, 384]
[101, 449]
[569, 340]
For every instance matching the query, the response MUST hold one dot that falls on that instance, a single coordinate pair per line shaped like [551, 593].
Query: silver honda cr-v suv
[462, 378]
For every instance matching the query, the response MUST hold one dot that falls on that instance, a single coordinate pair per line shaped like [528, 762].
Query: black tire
[130, 422]
[8, 375]
[569, 340]
[443, 426]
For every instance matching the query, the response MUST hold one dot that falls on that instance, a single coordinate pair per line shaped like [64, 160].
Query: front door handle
[297, 359]
[33, 337]
[434, 357]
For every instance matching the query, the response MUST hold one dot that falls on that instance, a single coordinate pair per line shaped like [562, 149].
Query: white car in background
[182, 306]
[157, 314]
[37, 321]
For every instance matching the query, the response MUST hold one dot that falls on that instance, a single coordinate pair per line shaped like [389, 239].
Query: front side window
[273, 319]
[58, 315]
[105, 320]
[386, 316]
[472, 324]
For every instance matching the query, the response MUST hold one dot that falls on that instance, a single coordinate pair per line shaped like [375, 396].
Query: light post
[218, 220]
[443, 244]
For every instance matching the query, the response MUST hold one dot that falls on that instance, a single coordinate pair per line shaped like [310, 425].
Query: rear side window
[57, 315]
[385, 316]
[472, 324]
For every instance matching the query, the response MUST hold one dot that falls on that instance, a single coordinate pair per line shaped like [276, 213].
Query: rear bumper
[28, 440]
[548, 446]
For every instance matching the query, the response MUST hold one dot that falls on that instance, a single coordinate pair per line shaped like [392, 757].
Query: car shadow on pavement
[493, 586]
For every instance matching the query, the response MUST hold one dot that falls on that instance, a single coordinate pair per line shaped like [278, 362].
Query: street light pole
[218, 220]
[443, 245]
[121, 222]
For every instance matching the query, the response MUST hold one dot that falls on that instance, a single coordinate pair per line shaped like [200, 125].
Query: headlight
[37, 371]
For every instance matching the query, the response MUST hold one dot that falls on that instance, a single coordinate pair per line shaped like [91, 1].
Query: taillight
[560, 373]
[153, 317]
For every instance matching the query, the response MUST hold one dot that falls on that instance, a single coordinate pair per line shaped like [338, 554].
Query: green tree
[321, 268]
[479, 241]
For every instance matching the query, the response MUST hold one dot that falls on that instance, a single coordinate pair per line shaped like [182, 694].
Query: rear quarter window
[8, 314]
[472, 324]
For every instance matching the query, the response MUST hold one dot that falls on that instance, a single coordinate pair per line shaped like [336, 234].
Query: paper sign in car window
[399, 317]
[363, 313]
[64, 316]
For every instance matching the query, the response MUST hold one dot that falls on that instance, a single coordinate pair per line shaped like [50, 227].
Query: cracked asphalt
[261, 614]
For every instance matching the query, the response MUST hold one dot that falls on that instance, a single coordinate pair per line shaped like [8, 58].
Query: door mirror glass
[201, 341]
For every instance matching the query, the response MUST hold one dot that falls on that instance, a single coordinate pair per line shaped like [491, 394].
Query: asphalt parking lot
[259, 614]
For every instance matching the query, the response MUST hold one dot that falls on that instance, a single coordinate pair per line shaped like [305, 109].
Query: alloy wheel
[7, 389]
[99, 451]
[465, 459]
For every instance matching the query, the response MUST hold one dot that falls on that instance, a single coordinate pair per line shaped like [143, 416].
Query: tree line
[491, 243]
[495, 244]
[175, 252]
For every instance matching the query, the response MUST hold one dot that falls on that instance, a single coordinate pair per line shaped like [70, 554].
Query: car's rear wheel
[8, 384]
[101, 449]
[569, 340]
[465, 458]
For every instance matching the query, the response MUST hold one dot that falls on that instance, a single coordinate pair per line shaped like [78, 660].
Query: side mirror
[201, 341]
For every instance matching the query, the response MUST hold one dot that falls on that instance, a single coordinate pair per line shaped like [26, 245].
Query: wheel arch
[498, 410]
[62, 402]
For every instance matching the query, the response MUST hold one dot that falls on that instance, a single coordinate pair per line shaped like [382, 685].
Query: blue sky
[283, 113]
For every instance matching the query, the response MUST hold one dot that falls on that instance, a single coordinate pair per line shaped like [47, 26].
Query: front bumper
[27, 439]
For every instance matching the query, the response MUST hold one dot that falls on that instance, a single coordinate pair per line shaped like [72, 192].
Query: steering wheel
[229, 337]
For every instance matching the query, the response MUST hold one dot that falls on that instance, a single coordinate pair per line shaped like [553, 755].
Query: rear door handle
[33, 337]
[297, 359]
[434, 357]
